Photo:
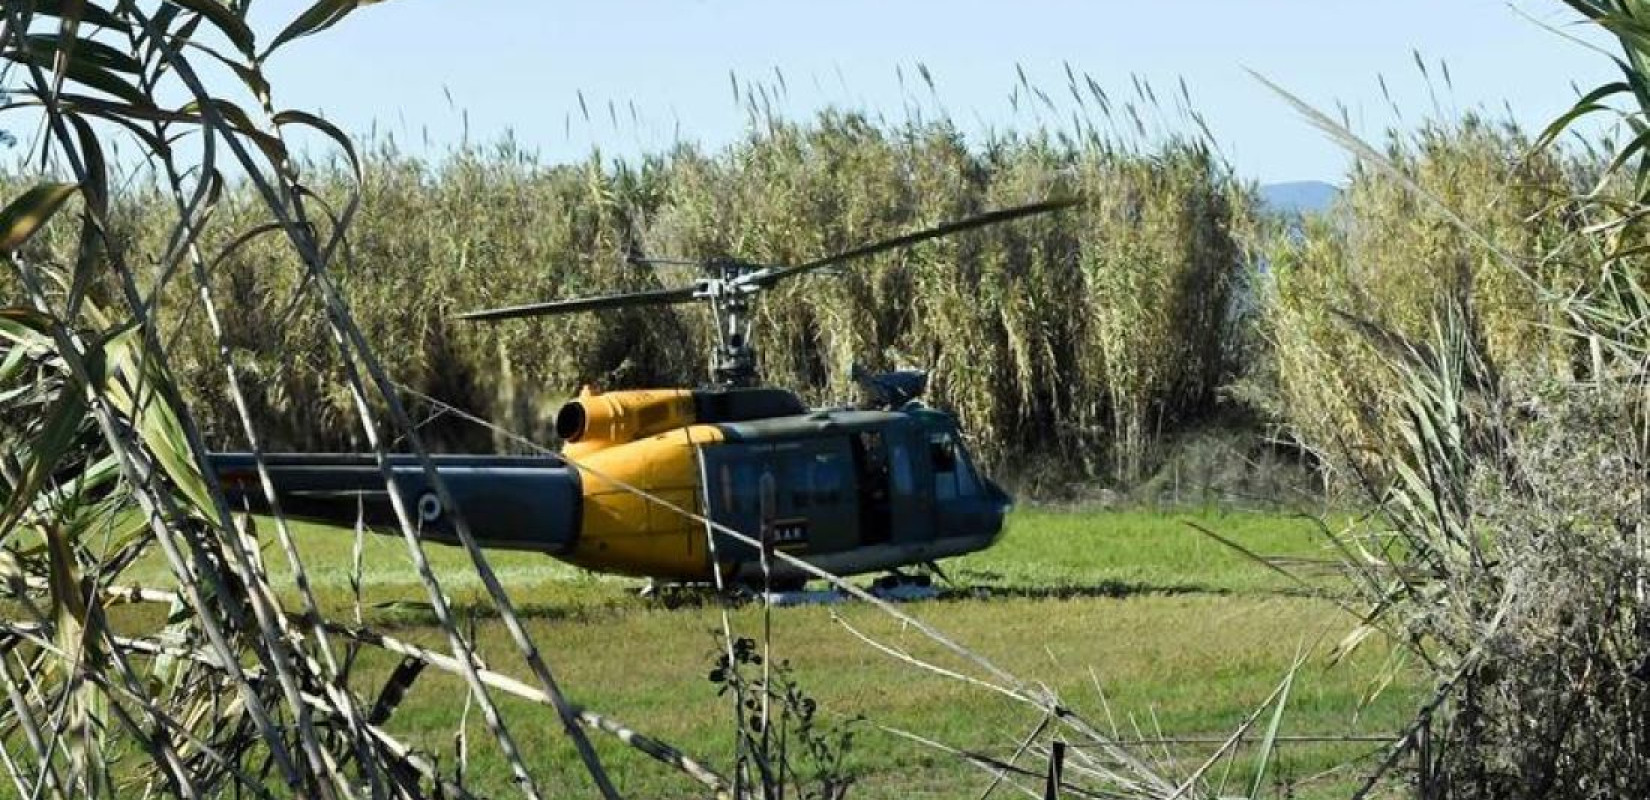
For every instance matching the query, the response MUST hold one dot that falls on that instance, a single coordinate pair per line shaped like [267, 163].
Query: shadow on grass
[410, 614]
[1110, 589]
[611, 606]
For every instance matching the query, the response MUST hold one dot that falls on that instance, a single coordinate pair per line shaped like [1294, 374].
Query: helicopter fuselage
[847, 490]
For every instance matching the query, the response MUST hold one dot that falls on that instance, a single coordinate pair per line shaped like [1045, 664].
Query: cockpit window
[953, 476]
[943, 451]
[967, 484]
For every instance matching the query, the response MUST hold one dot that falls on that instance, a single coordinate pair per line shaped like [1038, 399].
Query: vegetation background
[1085, 337]
[1455, 350]
[1171, 339]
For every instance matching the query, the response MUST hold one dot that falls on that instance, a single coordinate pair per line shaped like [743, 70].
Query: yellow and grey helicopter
[852, 490]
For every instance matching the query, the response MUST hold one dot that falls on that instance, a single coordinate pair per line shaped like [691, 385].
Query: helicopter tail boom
[516, 503]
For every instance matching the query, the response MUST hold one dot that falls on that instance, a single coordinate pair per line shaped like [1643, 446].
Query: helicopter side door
[875, 484]
[808, 504]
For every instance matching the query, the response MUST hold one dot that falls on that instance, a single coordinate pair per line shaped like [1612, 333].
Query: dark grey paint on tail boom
[510, 502]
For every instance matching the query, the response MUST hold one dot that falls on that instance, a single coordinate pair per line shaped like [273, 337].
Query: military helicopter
[877, 487]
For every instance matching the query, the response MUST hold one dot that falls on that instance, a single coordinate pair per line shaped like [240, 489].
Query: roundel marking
[429, 507]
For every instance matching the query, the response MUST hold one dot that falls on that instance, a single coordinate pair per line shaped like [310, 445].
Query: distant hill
[1299, 197]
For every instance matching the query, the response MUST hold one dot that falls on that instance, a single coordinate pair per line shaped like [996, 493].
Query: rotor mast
[733, 357]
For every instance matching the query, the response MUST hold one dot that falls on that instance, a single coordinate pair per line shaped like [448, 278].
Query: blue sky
[520, 66]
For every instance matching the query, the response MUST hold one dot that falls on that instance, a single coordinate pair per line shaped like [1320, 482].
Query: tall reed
[1382, 256]
[1082, 338]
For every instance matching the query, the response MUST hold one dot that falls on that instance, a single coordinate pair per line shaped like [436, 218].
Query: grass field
[1184, 636]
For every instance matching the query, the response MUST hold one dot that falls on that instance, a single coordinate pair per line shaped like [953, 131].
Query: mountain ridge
[1299, 197]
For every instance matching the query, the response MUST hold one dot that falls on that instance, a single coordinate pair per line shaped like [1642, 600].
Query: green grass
[1123, 552]
[1184, 636]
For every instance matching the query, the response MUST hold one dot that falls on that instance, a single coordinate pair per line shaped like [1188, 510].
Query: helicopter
[869, 488]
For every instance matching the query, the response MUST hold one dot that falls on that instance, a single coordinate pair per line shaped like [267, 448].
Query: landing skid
[895, 587]
[900, 587]
[678, 595]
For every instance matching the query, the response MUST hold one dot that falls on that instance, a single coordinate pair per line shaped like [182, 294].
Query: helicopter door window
[900, 456]
[740, 488]
[796, 476]
[825, 479]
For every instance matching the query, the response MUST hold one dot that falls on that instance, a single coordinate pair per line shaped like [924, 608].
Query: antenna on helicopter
[730, 287]
[889, 390]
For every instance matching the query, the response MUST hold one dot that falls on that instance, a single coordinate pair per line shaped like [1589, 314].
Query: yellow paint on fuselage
[622, 532]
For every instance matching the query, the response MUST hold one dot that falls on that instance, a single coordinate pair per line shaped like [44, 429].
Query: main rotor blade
[906, 240]
[650, 261]
[647, 298]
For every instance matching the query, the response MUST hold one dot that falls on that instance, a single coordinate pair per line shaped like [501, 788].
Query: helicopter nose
[1003, 502]
[999, 495]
